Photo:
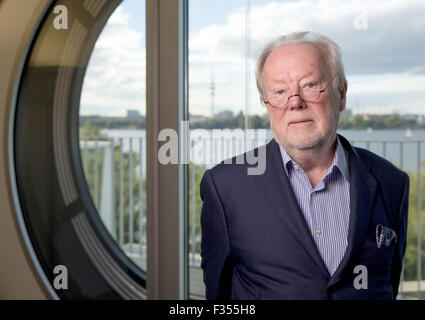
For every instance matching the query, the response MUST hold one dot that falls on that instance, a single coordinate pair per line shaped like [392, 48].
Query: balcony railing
[116, 174]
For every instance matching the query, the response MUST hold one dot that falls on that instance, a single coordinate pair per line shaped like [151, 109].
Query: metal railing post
[401, 167]
[419, 237]
[130, 195]
[96, 173]
[121, 196]
[141, 211]
[193, 227]
[114, 232]
[85, 156]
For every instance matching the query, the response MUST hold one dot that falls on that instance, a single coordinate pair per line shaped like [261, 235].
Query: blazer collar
[276, 187]
[340, 159]
[363, 188]
[274, 184]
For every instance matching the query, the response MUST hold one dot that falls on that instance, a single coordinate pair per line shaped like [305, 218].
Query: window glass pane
[112, 128]
[221, 94]
[383, 53]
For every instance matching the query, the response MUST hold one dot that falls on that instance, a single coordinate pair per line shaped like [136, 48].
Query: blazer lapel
[362, 194]
[276, 187]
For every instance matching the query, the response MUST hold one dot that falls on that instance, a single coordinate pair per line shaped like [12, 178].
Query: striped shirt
[326, 208]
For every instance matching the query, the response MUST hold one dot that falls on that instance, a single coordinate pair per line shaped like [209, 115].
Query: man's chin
[304, 144]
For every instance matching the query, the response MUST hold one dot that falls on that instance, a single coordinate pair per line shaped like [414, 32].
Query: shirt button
[313, 195]
[318, 232]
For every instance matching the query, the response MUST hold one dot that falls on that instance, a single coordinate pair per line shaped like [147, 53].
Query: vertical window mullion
[166, 203]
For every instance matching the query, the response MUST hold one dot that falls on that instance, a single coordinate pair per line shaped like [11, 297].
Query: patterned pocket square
[384, 236]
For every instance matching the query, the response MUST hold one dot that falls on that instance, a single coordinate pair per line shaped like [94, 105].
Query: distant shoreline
[356, 122]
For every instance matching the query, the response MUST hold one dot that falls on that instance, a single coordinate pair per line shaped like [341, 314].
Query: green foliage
[392, 121]
[139, 204]
[93, 164]
[359, 121]
[113, 123]
[195, 203]
[411, 256]
[93, 159]
[87, 130]
[236, 122]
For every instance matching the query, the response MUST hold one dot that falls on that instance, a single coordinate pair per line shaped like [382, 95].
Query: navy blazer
[257, 245]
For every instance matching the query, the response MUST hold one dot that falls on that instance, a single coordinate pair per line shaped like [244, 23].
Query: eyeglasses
[309, 92]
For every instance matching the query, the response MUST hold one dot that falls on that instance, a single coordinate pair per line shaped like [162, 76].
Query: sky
[382, 44]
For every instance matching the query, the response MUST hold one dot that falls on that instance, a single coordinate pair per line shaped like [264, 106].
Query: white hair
[328, 49]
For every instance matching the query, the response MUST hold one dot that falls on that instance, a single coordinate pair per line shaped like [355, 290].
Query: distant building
[226, 114]
[193, 118]
[411, 117]
[133, 114]
[346, 113]
[420, 120]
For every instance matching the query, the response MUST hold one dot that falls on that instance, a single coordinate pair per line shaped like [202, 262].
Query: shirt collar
[340, 160]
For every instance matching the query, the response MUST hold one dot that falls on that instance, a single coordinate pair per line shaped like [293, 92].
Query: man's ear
[342, 97]
[264, 105]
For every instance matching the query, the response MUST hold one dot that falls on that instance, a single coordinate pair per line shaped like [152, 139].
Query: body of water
[405, 148]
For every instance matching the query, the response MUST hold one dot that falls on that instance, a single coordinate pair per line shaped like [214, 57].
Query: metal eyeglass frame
[293, 95]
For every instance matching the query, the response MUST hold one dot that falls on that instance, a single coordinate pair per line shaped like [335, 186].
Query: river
[399, 146]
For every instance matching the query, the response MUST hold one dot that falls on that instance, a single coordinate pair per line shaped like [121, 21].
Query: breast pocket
[378, 250]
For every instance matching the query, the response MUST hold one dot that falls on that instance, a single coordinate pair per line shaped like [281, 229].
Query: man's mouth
[301, 122]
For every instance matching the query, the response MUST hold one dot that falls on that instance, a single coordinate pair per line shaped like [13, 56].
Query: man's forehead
[293, 57]
[294, 51]
[279, 80]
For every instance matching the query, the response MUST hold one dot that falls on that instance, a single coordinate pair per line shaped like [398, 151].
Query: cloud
[417, 70]
[401, 93]
[115, 78]
[386, 57]
[387, 83]
[391, 42]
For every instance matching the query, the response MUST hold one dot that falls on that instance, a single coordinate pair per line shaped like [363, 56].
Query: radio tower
[212, 88]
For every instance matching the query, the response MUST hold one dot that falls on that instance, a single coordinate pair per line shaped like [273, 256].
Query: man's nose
[295, 101]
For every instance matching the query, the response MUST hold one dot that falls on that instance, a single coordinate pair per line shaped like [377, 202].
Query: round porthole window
[80, 189]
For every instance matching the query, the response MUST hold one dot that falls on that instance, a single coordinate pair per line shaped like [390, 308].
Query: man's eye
[280, 92]
[311, 85]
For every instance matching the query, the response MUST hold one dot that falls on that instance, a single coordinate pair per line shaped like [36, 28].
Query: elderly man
[326, 220]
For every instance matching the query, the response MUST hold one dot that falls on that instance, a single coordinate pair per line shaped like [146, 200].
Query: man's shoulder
[241, 167]
[378, 164]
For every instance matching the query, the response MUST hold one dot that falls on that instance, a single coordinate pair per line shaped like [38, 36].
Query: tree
[410, 259]
[93, 160]
[195, 204]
